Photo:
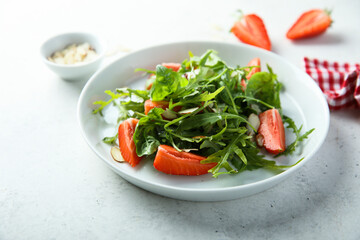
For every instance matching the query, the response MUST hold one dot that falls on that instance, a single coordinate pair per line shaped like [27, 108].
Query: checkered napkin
[340, 83]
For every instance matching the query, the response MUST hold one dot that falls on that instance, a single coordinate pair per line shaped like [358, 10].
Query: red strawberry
[310, 23]
[174, 66]
[271, 132]
[170, 161]
[126, 142]
[151, 104]
[158, 104]
[250, 29]
[254, 62]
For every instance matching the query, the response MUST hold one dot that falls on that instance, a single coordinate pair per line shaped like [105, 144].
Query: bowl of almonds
[73, 56]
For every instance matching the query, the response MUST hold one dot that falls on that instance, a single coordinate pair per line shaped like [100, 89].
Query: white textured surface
[53, 187]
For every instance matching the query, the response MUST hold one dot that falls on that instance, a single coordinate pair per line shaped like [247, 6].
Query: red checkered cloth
[340, 83]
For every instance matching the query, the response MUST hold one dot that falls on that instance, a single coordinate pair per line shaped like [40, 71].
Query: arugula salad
[202, 116]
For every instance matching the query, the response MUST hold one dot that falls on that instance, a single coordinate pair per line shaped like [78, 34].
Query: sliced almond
[116, 154]
[199, 137]
[256, 108]
[254, 121]
[260, 140]
[187, 111]
[190, 149]
[237, 73]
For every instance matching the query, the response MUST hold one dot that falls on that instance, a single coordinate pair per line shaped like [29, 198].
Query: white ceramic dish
[78, 71]
[302, 100]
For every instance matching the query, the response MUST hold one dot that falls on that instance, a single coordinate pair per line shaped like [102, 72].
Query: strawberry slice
[170, 161]
[174, 66]
[158, 104]
[250, 29]
[310, 24]
[253, 62]
[126, 142]
[271, 132]
[151, 104]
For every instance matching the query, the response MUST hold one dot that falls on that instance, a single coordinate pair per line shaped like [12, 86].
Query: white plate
[302, 100]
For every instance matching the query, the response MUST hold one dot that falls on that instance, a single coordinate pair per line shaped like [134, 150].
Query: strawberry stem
[328, 11]
[240, 14]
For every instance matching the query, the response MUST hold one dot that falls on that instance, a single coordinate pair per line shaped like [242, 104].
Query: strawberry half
[310, 24]
[250, 29]
[174, 66]
[253, 62]
[151, 104]
[170, 161]
[126, 142]
[271, 132]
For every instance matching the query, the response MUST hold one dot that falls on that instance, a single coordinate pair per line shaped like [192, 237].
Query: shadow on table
[77, 85]
[324, 39]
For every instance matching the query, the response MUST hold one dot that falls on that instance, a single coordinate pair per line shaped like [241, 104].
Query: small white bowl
[73, 72]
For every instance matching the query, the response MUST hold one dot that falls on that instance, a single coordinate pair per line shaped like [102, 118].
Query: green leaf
[167, 82]
[144, 70]
[204, 97]
[134, 106]
[251, 99]
[240, 154]
[142, 94]
[205, 119]
[204, 58]
[168, 126]
[146, 136]
[299, 137]
[110, 140]
[103, 104]
[256, 160]
[265, 87]
[221, 157]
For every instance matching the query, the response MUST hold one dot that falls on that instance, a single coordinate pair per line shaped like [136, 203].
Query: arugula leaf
[240, 154]
[203, 97]
[299, 138]
[205, 119]
[256, 160]
[265, 87]
[142, 94]
[213, 60]
[145, 70]
[103, 104]
[110, 140]
[221, 157]
[204, 57]
[133, 106]
[168, 126]
[167, 82]
[146, 135]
